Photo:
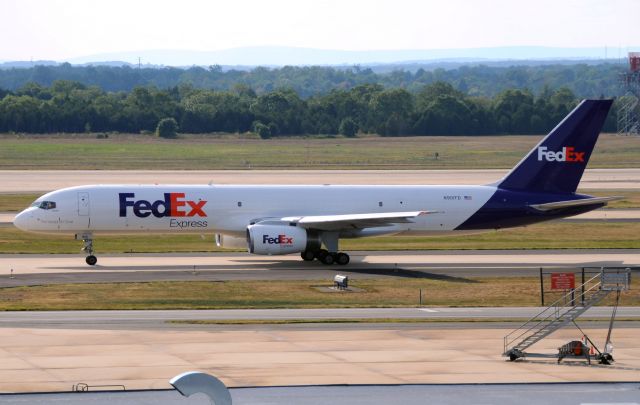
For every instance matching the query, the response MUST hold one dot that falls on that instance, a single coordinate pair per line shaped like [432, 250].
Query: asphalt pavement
[140, 319]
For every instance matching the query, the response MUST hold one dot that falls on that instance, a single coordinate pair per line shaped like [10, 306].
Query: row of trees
[584, 80]
[436, 109]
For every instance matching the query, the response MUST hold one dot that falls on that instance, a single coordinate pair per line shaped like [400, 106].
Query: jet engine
[277, 239]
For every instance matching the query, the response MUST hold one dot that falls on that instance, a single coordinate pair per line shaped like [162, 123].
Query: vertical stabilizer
[557, 163]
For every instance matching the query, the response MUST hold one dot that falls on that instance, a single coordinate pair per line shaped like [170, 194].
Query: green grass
[558, 235]
[13, 240]
[16, 202]
[393, 292]
[190, 152]
[631, 197]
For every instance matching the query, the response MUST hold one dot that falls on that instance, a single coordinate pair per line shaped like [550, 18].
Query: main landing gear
[326, 257]
[88, 247]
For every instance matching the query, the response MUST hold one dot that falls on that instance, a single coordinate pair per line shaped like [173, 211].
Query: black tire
[308, 255]
[91, 260]
[606, 359]
[513, 357]
[320, 254]
[328, 259]
[342, 259]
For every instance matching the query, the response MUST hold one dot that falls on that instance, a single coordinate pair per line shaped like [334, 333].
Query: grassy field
[556, 235]
[631, 197]
[85, 151]
[16, 202]
[489, 291]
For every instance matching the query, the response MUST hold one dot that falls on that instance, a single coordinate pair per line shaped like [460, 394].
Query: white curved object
[194, 382]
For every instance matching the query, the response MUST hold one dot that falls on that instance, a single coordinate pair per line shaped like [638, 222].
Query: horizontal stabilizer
[354, 221]
[573, 203]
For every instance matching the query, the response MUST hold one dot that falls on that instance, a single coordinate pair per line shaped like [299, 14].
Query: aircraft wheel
[308, 255]
[342, 258]
[91, 260]
[328, 259]
[320, 254]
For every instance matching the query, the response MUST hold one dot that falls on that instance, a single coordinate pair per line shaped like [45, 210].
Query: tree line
[436, 109]
[584, 80]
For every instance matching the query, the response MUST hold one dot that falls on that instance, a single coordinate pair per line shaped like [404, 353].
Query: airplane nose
[22, 220]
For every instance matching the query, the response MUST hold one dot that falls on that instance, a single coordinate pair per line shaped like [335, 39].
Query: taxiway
[45, 269]
[34, 181]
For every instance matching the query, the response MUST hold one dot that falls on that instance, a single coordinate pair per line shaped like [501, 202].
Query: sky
[66, 29]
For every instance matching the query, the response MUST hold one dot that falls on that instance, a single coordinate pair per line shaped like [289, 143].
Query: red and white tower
[629, 107]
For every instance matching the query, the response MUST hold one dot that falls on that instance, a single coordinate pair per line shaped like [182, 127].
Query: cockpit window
[45, 205]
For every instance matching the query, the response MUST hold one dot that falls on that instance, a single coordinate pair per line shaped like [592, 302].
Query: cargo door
[83, 204]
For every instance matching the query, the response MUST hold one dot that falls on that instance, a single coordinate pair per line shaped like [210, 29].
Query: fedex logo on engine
[567, 154]
[173, 205]
[278, 240]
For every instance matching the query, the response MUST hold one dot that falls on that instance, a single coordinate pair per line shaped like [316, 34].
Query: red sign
[563, 281]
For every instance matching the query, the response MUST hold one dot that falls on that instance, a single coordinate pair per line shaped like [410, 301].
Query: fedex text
[278, 240]
[173, 205]
[567, 154]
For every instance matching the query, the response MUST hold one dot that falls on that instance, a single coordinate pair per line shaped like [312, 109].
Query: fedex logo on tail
[278, 240]
[567, 154]
[173, 205]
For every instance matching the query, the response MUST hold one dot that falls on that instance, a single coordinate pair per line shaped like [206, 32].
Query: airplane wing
[573, 203]
[354, 221]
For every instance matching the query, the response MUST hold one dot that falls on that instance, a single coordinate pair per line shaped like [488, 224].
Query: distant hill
[27, 64]
[281, 56]
[34, 63]
[376, 67]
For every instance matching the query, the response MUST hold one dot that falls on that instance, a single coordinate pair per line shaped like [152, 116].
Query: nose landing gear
[91, 260]
[88, 247]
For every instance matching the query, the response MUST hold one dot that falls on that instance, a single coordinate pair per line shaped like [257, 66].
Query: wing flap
[573, 203]
[355, 221]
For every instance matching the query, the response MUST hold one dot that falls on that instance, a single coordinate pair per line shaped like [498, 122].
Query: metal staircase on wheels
[563, 311]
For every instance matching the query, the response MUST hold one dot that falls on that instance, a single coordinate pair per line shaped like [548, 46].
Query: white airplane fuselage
[226, 209]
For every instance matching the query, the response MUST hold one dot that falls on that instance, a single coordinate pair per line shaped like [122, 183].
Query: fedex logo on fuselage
[173, 205]
[278, 240]
[567, 154]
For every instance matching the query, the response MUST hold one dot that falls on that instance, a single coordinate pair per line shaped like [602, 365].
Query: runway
[35, 181]
[43, 269]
